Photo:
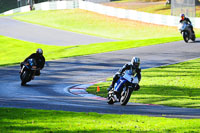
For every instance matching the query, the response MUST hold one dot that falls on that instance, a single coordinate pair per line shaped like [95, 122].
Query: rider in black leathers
[40, 60]
[133, 66]
[187, 20]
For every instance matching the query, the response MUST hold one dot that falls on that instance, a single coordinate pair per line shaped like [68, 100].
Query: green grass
[14, 51]
[82, 21]
[30, 120]
[157, 8]
[173, 85]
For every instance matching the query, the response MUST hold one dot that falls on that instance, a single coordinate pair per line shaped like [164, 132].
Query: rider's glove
[137, 87]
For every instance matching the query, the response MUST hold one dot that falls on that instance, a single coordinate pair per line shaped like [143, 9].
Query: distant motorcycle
[186, 31]
[122, 90]
[28, 71]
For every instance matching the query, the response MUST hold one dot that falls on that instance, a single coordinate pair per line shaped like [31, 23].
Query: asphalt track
[50, 90]
[44, 35]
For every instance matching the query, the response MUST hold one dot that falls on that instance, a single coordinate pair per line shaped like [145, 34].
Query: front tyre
[23, 83]
[125, 96]
[24, 77]
[185, 36]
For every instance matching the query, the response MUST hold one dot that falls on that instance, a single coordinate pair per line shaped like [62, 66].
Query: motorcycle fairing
[119, 84]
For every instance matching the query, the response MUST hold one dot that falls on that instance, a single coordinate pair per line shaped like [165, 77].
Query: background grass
[86, 22]
[159, 8]
[30, 120]
[173, 85]
[14, 51]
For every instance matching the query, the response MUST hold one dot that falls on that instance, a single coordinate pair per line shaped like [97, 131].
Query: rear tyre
[193, 38]
[125, 96]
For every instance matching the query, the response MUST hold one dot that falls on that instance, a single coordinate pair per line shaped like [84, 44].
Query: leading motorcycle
[123, 89]
[28, 71]
[186, 31]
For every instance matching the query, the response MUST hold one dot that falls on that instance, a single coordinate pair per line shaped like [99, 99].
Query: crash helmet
[39, 51]
[182, 16]
[135, 62]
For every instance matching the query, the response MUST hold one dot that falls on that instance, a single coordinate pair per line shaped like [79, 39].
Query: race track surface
[50, 90]
[44, 35]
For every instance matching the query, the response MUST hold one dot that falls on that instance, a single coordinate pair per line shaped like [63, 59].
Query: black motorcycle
[186, 31]
[28, 71]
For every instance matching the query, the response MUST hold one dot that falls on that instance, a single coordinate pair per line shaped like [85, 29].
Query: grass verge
[146, 6]
[14, 51]
[30, 120]
[82, 21]
[173, 85]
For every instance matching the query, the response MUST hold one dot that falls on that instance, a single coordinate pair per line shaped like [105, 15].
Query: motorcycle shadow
[197, 41]
[30, 85]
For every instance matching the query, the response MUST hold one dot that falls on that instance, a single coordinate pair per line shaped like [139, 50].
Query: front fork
[22, 69]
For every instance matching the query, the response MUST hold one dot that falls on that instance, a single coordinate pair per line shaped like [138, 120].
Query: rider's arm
[138, 71]
[31, 56]
[188, 20]
[125, 67]
[43, 62]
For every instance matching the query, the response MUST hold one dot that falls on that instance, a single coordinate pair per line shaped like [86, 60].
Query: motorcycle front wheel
[24, 77]
[185, 36]
[125, 96]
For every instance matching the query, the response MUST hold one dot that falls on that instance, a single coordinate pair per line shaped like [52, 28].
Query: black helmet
[39, 51]
[135, 62]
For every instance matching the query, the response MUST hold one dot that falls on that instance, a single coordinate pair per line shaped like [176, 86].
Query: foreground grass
[173, 85]
[14, 51]
[30, 120]
[82, 21]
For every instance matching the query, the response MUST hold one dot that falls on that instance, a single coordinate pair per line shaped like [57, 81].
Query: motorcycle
[28, 71]
[123, 89]
[186, 31]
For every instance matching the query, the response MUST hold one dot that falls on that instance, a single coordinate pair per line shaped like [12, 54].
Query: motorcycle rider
[132, 68]
[40, 60]
[187, 20]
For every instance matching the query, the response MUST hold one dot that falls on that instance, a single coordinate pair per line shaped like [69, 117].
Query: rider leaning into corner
[132, 68]
[40, 60]
[187, 20]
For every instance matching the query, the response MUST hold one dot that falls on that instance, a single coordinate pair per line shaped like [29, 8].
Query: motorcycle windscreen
[119, 84]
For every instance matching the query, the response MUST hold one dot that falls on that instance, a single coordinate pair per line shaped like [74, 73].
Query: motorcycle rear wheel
[193, 38]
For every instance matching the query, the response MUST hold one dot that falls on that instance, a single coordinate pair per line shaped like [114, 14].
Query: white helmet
[135, 61]
[39, 51]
